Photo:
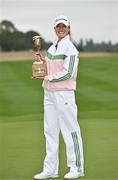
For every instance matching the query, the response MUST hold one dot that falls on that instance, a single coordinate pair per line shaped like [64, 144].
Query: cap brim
[63, 22]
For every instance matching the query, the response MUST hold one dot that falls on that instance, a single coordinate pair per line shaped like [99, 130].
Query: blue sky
[96, 19]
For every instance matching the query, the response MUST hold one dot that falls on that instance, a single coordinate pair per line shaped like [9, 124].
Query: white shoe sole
[54, 176]
[46, 177]
[73, 177]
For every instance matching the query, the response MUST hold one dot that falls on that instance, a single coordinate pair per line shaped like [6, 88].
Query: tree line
[11, 39]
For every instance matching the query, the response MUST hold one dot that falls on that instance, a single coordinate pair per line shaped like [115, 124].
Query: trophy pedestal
[39, 69]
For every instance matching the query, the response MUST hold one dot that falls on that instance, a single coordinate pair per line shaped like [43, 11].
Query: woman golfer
[60, 109]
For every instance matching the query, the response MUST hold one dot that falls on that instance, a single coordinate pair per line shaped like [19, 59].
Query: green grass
[22, 143]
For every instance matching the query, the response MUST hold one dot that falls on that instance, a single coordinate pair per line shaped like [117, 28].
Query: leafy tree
[7, 26]
[80, 45]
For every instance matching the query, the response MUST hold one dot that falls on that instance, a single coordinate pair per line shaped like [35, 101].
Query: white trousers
[60, 114]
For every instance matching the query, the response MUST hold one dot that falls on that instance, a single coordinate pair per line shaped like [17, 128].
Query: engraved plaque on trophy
[38, 67]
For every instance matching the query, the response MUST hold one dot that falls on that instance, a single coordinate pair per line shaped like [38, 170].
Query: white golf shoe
[73, 174]
[45, 175]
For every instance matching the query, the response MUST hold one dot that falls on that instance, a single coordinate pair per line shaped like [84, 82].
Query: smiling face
[62, 31]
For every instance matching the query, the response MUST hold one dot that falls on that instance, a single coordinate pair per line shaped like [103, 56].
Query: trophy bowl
[37, 42]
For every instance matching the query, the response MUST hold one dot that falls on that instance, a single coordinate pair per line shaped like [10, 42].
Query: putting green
[22, 142]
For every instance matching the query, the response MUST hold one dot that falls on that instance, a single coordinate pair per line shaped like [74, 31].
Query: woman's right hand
[38, 56]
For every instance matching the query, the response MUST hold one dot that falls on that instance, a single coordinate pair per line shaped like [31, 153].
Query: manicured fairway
[22, 143]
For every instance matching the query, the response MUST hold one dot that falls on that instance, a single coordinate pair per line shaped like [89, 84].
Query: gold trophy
[39, 69]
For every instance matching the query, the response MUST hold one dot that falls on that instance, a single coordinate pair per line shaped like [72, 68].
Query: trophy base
[39, 70]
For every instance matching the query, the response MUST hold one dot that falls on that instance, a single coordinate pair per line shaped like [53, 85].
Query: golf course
[22, 141]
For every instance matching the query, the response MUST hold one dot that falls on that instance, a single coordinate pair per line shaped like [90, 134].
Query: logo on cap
[61, 19]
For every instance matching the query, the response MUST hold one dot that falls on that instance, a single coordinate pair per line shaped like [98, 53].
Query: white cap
[61, 19]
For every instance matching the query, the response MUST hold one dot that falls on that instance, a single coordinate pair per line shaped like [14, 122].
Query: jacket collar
[63, 40]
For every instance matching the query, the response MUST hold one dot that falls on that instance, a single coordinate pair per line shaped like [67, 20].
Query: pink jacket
[62, 64]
